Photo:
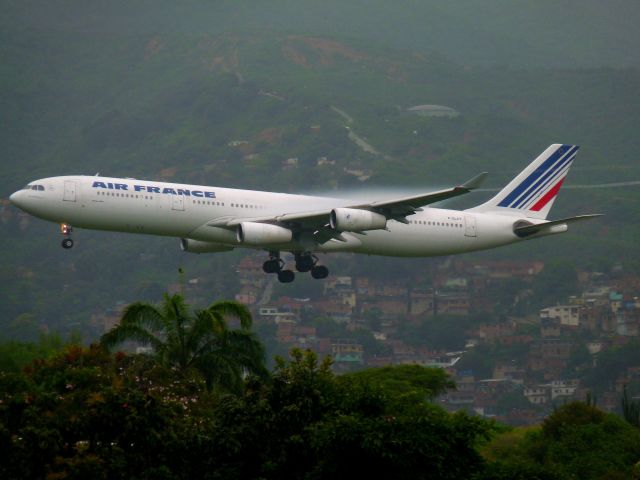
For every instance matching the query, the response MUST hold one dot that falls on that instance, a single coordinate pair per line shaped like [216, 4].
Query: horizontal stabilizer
[546, 227]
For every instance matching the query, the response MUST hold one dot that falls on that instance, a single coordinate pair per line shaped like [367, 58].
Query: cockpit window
[39, 188]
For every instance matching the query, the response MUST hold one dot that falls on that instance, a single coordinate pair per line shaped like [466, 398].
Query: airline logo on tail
[542, 185]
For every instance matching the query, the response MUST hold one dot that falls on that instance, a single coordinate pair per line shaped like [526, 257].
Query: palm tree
[202, 342]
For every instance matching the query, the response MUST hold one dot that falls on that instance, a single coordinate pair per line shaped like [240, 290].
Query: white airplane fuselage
[199, 212]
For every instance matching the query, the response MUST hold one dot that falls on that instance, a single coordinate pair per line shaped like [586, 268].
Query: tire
[286, 276]
[67, 243]
[319, 272]
[271, 266]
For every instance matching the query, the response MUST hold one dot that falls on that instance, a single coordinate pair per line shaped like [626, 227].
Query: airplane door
[470, 229]
[177, 202]
[69, 191]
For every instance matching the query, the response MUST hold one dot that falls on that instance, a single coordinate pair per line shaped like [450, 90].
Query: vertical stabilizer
[534, 190]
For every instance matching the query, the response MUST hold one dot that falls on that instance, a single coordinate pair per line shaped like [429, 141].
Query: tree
[630, 409]
[413, 383]
[576, 441]
[202, 343]
[323, 426]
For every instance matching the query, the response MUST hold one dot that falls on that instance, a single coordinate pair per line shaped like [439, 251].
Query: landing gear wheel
[67, 243]
[320, 271]
[304, 264]
[286, 276]
[271, 266]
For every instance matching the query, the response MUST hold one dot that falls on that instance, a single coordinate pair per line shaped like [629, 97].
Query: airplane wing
[396, 209]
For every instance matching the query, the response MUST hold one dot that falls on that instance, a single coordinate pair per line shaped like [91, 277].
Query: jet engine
[252, 233]
[354, 220]
[196, 246]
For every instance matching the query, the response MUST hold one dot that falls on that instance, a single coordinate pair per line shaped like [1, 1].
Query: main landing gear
[66, 230]
[305, 262]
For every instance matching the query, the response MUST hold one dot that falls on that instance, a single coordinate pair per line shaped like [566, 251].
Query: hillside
[545, 33]
[231, 109]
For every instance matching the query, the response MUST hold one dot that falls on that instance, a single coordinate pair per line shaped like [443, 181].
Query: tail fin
[534, 190]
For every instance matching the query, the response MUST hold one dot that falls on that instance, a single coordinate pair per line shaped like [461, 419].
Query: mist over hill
[229, 93]
[574, 33]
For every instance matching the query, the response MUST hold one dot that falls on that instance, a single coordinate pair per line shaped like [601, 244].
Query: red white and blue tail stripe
[534, 190]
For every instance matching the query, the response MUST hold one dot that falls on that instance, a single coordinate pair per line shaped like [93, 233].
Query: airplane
[213, 219]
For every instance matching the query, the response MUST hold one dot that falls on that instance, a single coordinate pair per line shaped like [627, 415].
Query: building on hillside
[333, 284]
[347, 353]
[276, 316]
[550, 328]
[334, 308]
[563, 388]
[538, 395]
[389, 308]
[496, 385]
[596, 317]
[509, 371]
[452, 303]
[567, 314]
[490, 333]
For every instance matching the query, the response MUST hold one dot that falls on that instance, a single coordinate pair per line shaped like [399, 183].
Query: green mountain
[91, 89]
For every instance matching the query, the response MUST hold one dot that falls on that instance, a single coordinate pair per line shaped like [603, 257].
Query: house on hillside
[567, 314]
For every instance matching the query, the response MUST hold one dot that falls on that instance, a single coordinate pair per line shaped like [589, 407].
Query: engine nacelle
[354, 220]
[196, 246]
[252, 233]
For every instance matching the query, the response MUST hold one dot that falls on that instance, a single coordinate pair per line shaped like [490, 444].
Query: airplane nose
[14, 198]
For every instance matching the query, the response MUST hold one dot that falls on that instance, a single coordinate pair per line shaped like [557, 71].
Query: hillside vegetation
[99, 91]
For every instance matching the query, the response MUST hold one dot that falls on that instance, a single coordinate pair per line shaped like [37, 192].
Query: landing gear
[286, 276]
[273, 265]
[305, 262]
[66, 230]
[319, 271]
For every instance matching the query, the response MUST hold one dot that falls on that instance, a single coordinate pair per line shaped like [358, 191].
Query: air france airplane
[212, 219]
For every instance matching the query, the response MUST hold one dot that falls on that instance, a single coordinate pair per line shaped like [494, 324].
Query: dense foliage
[578, 441]
[86, 413]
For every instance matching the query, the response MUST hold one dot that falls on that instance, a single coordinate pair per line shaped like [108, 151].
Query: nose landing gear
[66, 230]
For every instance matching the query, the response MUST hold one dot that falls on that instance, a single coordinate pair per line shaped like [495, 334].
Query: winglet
[475, 182]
